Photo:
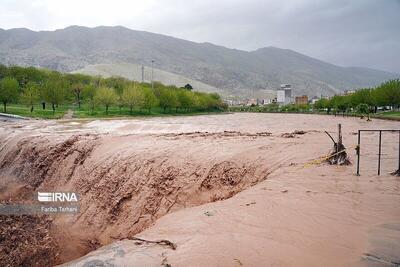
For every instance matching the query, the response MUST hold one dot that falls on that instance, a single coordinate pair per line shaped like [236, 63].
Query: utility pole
[142, 74]
[152, 74]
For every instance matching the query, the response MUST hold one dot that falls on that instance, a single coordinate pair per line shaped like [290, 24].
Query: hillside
[134, 72]
[177, 61]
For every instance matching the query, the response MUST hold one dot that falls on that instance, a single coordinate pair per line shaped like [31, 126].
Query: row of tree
[365, 100]
[32, 86]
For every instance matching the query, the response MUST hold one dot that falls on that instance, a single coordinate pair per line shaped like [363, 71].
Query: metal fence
[369, 148]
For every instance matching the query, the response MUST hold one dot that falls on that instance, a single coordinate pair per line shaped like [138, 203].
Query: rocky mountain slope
[235, 72]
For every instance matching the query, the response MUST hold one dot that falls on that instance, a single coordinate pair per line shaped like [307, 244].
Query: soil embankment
[129, 174]
[125, 182]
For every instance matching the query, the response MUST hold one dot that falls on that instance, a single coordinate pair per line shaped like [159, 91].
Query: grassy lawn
[38, 112]
[98, 112]
[115, 111]
[389, 114]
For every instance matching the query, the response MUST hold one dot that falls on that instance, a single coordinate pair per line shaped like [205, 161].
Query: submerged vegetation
[49, 94]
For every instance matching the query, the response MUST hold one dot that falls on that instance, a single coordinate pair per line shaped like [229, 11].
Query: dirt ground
[224, 190]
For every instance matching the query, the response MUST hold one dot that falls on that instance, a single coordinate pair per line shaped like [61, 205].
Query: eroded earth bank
[219, 190]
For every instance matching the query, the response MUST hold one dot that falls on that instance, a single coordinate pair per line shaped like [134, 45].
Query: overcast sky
[344, 32]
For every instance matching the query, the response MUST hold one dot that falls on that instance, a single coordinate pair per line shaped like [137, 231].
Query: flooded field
[217, 190]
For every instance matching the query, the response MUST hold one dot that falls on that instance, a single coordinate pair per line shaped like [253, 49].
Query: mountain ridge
[235, 72]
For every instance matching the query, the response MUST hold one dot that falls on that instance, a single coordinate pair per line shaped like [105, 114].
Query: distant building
[313, 100]
[280, 96]
[288, 90]
[262, 102]
[284, 94]
[250, 102]
[301, 100]
[230, 102]
[349, 92]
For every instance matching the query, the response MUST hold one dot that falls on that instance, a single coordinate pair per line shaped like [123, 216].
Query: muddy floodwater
[241, 189]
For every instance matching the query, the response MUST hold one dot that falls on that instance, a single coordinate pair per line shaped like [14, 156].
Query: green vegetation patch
[49, 94]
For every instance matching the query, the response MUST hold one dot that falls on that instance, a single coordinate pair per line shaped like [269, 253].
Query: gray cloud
[345, 32]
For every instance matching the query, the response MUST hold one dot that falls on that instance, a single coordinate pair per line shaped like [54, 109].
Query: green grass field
[98, 112]
[38, 112]
[389, 114]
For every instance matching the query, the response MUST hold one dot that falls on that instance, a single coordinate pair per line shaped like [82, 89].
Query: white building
[284, 94]
[280, 96]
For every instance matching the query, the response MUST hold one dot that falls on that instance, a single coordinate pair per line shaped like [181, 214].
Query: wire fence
[378, 151]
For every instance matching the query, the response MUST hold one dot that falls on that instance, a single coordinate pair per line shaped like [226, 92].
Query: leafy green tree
[185, 99]
[106, 96]
[77, 89]
[3, 71]
[188, 87]
[149, 99]
[8, 91]
[362, 108]
[390, 92]
[78, 78]
[89, 93]
[320, 104]
[57, 88]
[54, 91]
[361, 96]
[340, 103]
[30, 95]
[34, 75]
[201, 101]
[378, 98]
[167, 98]
[20, 74]
[213, 101]
[116, 82]
[132, 96]
[324, 103]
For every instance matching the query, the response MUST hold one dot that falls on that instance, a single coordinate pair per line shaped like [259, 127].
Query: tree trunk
[31, 108]
[131, 109]
[165, 109]
[79, 101]
[5, 107]
[106, 109]
[53, 107]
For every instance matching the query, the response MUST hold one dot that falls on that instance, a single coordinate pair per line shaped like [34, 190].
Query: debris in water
[208, 213]
[288, 135]
[162, 242]
[396, 173]
[338, 156]
[251, 203]
[299, 132]
[238, 262]
[293, 134]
